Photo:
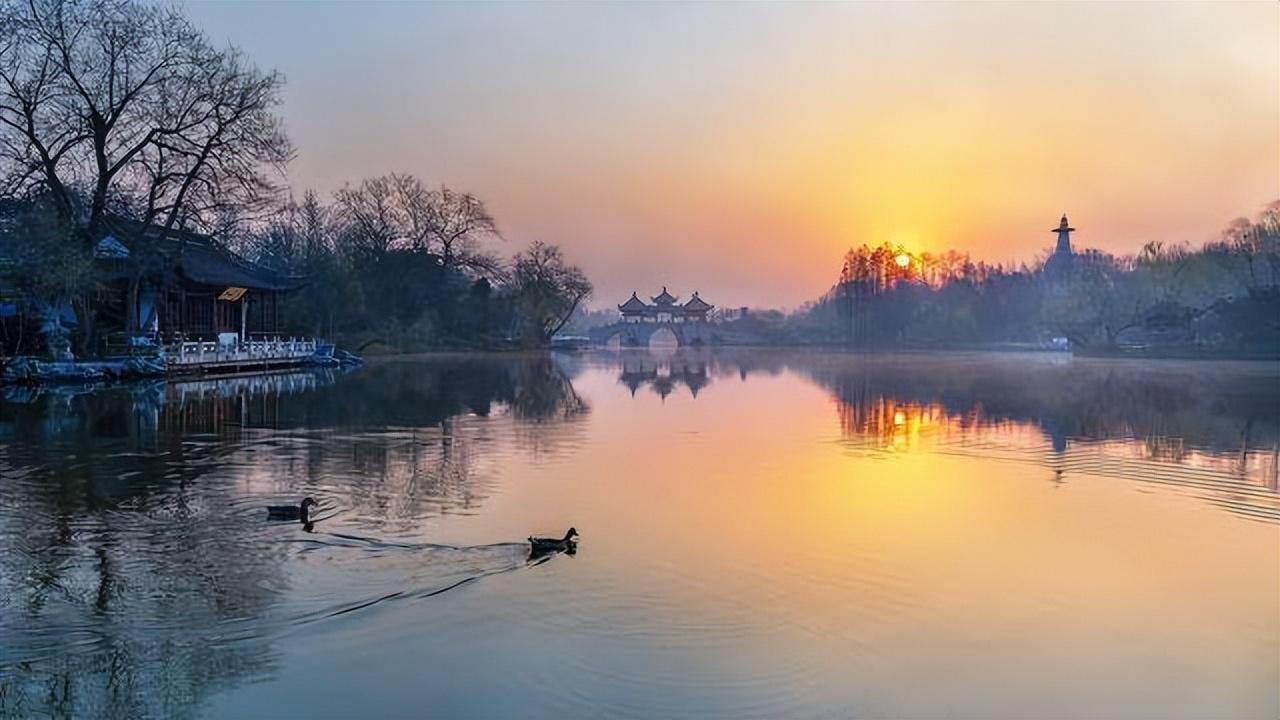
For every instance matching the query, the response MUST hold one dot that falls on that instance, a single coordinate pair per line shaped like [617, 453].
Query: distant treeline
[1223, 297]
[391, 262]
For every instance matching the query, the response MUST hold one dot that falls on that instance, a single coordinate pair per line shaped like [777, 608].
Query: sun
[903, 260]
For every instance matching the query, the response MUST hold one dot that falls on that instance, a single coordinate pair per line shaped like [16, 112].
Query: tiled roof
[633, 304]
[200, 258]
[665, 298]
[697, 304]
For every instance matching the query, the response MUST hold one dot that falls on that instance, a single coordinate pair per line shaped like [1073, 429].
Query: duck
[299, 513]
[568, 543]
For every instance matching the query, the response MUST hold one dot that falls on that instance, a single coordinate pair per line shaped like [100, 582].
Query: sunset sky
[739, 149]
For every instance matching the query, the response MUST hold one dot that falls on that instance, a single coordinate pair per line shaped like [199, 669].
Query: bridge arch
[664, 337]
[642, 335]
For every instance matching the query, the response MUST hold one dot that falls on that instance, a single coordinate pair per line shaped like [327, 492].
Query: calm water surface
[764, 534]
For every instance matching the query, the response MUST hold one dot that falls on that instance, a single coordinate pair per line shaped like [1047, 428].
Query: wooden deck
[247, 356]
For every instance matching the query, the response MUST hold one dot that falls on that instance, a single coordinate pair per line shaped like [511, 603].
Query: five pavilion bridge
[666, 317]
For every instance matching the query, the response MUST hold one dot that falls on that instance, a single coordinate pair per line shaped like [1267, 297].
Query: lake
[764, 533]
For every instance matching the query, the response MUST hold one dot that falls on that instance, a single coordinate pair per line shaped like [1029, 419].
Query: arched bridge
[666, 317]
[638, 334]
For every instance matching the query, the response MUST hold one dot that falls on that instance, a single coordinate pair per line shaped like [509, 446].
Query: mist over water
[765, 533]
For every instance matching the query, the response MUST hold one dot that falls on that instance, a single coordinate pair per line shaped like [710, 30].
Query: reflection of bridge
[640, 334]
[664, 373]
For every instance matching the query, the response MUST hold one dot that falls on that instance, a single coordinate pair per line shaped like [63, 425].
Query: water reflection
[1216, 421]
[1206, 429]
[138, 570]
[663, 372]
[768, 533]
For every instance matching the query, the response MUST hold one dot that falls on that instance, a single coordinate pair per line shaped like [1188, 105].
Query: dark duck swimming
[293, 513]
[566, 544]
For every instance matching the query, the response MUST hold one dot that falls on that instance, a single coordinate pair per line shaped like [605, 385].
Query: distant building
[665, 309]
[1059, 263]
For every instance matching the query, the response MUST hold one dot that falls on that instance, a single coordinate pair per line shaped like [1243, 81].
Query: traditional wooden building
[164, 301]
[666, 308]
[189, 286]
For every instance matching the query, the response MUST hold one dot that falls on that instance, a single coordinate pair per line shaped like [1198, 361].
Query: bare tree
[226, 151]
[313, 226]
[80, 81]
[547, 290]
[105, 101]
[371, 218]
[218, 165]
[416, 216]
[397, 212]
[457, 221]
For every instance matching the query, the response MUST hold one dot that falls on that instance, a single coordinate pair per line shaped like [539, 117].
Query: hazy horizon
[739, 150]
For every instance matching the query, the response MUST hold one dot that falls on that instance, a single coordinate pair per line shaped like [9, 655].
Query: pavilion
[665, 309]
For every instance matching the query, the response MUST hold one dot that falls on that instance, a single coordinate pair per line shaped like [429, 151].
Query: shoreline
[1122, 353]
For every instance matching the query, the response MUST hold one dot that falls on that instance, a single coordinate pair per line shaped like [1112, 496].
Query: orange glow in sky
[740, 150]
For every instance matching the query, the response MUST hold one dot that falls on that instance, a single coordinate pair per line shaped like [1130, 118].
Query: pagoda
[1059, 263]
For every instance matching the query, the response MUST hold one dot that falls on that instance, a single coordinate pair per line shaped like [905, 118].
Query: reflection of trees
[542, 392]
[107, 545]
[892, 424]
[1185, 413]
[1218, 407]
[131, 571]
[1134, 417]
[111, 608]
[1211, 409]
[547, 405]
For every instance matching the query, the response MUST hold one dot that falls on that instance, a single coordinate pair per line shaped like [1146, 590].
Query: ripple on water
[624, 678]
[1243, 484]
[140, 554]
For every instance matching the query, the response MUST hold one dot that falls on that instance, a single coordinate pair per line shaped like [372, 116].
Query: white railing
[206, 352]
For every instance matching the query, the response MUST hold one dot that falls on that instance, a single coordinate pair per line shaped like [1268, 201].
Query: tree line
[1223, 295]
[395, 262]
[125, 108]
